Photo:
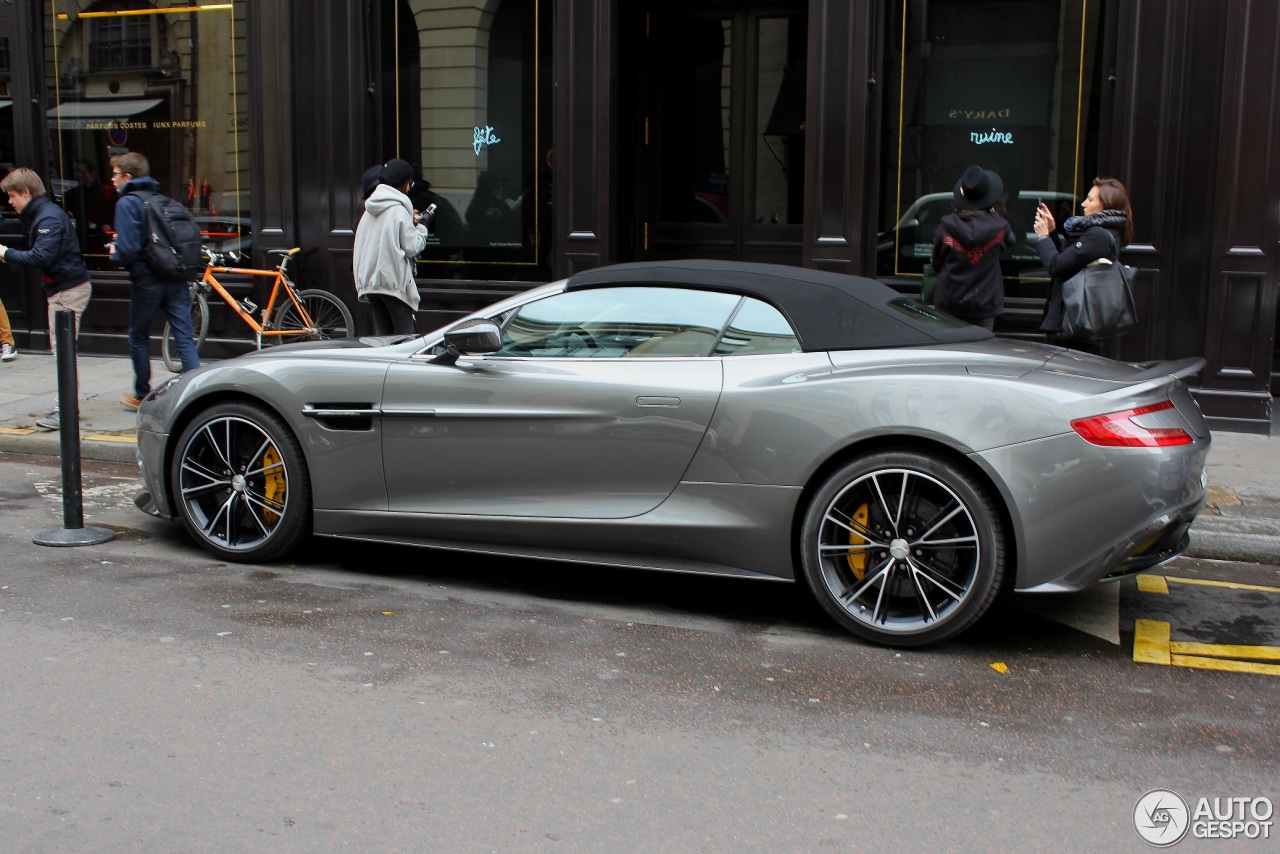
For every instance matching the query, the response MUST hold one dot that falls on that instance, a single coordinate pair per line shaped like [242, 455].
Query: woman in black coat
[1106, 225]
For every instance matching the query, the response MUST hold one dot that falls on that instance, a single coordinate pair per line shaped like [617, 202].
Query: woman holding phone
[1105, 226]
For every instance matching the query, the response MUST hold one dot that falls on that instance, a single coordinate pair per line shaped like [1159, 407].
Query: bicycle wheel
[199, 329]
[330, 318]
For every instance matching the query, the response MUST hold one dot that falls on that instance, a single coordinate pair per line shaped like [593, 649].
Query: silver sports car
[755, 421]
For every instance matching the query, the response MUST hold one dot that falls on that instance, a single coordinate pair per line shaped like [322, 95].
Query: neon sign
[482, 138]
[980, 137]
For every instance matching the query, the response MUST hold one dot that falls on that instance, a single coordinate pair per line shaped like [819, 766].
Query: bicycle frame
[278, 275]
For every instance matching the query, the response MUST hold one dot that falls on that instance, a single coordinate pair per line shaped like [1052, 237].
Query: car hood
[300, 346]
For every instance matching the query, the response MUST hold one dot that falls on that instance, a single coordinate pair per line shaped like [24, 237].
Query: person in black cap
[967, 247]
[388, 238]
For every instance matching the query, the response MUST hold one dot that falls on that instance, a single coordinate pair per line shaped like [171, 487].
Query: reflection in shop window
[467, 100]
[168, 82]
[8, 216]
[1006, 85]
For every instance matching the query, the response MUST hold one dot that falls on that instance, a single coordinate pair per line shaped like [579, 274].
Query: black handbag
[1097, 302]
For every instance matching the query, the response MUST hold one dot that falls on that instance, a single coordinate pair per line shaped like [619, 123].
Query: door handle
[656, 400]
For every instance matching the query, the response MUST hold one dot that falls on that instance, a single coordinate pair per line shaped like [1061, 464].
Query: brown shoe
[130, 402]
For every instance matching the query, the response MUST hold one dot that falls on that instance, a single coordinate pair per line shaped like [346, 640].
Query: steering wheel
[565, 336]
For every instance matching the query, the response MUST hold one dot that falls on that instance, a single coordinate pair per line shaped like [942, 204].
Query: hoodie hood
[975, 230]
[384, 198]
[144, 183]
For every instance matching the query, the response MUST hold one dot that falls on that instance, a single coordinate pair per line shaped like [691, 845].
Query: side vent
[342, 416]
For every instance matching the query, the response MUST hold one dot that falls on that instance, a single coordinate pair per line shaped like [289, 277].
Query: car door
[592, 409]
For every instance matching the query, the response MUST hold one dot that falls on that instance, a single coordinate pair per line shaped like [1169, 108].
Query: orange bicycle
[310, 315]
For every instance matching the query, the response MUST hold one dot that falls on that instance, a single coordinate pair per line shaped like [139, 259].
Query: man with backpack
[144, 248]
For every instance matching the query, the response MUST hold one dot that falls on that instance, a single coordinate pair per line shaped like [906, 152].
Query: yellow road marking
[1230, 585]
[1152, 584]
[1220, 650]
[110, 437]
[1151, 642]
[1227, 664]
[127, 436]
[1152, 645]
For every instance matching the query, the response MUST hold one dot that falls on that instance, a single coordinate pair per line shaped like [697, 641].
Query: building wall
[1187, 113]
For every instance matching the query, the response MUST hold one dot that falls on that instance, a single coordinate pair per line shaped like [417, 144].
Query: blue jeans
[148, 296]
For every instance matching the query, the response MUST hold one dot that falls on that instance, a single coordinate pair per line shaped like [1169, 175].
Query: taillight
[1119, 430]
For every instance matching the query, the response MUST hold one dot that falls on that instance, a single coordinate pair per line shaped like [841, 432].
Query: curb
[1231, 546]
[118, 447]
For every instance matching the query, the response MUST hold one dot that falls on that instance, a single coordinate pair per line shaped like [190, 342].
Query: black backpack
[172, 247]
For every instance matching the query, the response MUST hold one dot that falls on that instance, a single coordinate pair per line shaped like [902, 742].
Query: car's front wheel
[241, 483]
[902, 548]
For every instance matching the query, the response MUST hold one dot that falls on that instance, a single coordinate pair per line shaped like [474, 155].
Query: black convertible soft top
[829, 311]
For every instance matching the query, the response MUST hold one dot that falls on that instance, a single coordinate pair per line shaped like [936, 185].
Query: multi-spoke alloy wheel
[903, 549]
[241, 486]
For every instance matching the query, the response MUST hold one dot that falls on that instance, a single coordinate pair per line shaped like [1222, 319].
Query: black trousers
[391, 316]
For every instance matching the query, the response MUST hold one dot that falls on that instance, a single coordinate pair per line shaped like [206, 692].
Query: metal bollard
[73, 531]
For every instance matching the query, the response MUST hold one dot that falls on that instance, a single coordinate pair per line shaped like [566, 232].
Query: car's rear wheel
[902, 548]
[241, 484]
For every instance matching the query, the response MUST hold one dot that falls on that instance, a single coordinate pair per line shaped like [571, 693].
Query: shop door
[719, 90]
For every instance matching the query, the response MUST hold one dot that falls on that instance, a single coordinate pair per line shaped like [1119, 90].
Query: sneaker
[7, 353]
[52, 421]
[130, 402]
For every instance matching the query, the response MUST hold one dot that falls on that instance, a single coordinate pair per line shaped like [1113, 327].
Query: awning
[97, 115]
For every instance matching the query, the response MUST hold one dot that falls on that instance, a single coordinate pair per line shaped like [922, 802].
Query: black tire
[331, 317]
[199, 329]
[241, 483]
[903, 549]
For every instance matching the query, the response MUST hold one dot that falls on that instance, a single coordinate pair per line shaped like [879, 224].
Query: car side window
[617, 322]
[757, 329]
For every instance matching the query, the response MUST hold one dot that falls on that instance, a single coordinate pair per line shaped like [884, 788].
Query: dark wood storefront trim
[1189, 111]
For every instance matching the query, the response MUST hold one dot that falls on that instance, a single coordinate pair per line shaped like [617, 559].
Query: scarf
[1112, 219]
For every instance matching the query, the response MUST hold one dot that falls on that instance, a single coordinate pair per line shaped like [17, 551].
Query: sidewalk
[29, 389]
[1242, 521]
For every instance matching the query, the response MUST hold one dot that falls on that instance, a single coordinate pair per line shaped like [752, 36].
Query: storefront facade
[559, 135]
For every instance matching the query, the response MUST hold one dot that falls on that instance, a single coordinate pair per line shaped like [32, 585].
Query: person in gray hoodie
[389, 236]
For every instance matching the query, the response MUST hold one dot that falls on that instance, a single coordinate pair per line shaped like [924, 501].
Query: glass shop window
[1010, 85]
[466, 88]
[8, 147]
[168, 82]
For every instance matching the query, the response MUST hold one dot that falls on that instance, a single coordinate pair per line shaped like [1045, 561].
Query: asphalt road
[384, 699]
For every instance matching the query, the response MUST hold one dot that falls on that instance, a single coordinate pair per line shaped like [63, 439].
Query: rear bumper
[1158, 542]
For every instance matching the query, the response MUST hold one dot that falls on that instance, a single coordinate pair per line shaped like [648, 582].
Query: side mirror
[476, 338]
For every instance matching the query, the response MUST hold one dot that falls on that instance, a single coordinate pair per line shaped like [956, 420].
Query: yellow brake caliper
[858, 560]
[274, 485]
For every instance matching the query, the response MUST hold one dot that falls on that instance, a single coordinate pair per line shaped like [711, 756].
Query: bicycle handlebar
[220, 259]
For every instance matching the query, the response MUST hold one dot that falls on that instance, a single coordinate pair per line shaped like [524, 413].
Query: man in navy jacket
[55, 251]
